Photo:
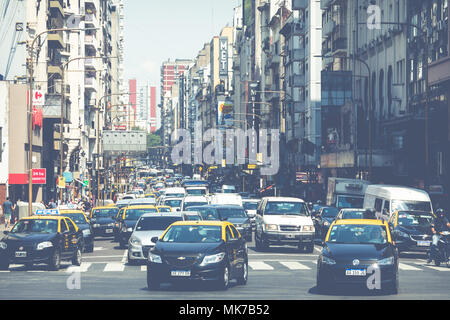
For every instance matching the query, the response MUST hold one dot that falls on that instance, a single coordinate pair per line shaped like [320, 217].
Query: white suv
[284, 221]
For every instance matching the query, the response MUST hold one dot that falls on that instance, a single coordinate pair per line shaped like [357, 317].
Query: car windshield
[250, 205]
[349, 202]
[173, 203]
[358, 234]
[164, 209]
[227, 213]
[78, 218]
[105, 213]
[402, 205]
[286, 208]
[197, 192]
[411, 219]
[193, 234]
[134, 214]
[192, 217]
[206, 213]
[353, 214]
[36, 226]
[175, 195]
[155, 223]
[191, 204]
[329, 212]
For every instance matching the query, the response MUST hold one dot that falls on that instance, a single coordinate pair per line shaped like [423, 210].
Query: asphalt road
[281, 273]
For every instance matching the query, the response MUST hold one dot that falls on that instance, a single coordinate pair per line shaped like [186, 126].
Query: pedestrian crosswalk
[268, 265]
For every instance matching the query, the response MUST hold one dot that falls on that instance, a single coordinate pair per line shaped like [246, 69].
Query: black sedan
[77, 216]
[411, 230]
[102, 221]
[41, 239]
[359, 252]
[198, 250]
[324, 219]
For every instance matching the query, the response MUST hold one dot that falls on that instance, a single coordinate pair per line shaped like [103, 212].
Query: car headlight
[111, 225]
[326, 223]
[329, 261]
[245, 225]
[212, 259]
[308, 228]
[3, 245]
[386, 261]
[129, 229]
[43, 245]
[403, 234]
[271, 227]
[86, 233]
[96, 225]
[154, 258]
[135, 241]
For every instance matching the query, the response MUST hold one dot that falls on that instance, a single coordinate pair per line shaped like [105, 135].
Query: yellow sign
[61, 182]
[224, 163]
[251, 166]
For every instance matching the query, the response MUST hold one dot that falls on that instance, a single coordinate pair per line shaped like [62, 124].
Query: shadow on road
[350, 291]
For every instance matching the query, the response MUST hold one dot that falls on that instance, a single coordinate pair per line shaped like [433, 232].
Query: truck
[346, 193]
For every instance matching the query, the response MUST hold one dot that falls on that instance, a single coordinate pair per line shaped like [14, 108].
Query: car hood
[238, 220]
[348, 252]
[187, 248]
[415, 230]
[146, 236]
[287, 220]
[28, 237]
[103, 221]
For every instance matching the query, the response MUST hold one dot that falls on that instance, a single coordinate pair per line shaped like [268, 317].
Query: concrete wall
[4, 110]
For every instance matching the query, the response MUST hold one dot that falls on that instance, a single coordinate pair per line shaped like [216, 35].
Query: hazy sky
[155, 31]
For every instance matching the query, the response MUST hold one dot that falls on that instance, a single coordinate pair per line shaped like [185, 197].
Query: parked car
[284, 221]
[198, 250]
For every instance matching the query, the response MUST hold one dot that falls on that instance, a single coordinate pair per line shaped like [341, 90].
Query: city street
[281, 273]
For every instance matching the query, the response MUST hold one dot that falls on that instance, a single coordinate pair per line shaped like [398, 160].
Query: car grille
[184, 262]
[421, 238]
[290, 228]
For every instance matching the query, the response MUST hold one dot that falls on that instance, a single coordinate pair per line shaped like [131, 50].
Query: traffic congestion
[181, 232]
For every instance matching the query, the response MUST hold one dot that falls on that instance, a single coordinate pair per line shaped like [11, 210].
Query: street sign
[61, 182]
[38, 98]
[39, 176]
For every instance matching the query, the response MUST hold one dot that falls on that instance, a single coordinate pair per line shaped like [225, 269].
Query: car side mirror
[5, 232]
[154, 239]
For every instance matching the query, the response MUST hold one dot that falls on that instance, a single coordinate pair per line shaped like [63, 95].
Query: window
[71, 226]
[228, 234]
[386, 205]
[378, 203]
[63, 226]
[235, 232]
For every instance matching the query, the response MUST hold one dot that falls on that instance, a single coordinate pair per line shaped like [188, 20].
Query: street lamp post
[30, 110]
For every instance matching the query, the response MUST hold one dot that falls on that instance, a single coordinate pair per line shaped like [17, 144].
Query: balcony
[92, 133]
[299, 4]
[297, 54]
[91, 41]
[52, 108]
[90, 84]
[55, 40]
[328, 28]
[297, 81]
[90, 64]
[55, 71]
[91, 21]
[56, 8]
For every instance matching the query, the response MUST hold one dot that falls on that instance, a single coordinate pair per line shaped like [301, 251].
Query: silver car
[148, 226]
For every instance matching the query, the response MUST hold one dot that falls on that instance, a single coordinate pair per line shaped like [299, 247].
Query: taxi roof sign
[46, 211]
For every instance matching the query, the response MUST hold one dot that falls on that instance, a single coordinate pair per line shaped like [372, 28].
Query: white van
[175, 193]
[226, 198]
[392, 198]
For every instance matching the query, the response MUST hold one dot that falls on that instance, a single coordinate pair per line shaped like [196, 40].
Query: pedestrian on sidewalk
[8, 209]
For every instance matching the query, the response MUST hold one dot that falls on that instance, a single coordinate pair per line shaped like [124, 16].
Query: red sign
[38, 117]
[39, 176]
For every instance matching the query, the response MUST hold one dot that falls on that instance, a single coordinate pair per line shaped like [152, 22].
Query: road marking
[442, 268]
[83, 268]
[114, 267]
[125, 254]
[143, 268]
[259, 265]
[294, 265]
[403, 266]
[97, 257]
[99, 248]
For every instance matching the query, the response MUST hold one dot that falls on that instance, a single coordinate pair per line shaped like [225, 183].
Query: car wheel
[4, 265]
[437, 262]
[76, 259]
[309, 248]
[90, 248]
[131, 262]
[242, 280]
[55, 260]
[322, 287]
[225, 281]
[392, 287]
[152, 283]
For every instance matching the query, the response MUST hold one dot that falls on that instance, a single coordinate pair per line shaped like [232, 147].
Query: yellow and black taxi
[102, 221]
[164, 208]
[198, 250]
[354, 250]
[128, 219]
[81, 221]
[41, 239]
[411, 230]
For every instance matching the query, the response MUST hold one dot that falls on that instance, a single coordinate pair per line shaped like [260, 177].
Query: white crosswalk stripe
[294, 265]
[83, 268]
[114, 267]
[259, 265]
[441, 268]
[403, 266]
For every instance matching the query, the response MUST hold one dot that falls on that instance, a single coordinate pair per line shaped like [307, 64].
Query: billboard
[225, 113]
[223, 56]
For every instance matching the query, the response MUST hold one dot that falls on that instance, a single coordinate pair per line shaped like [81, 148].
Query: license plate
[21, 254]
[109, 230]
[180, 273]
[355, 272]
[423, 243]
[290, 236]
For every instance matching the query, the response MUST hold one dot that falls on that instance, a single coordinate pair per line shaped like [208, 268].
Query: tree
[153, 140]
